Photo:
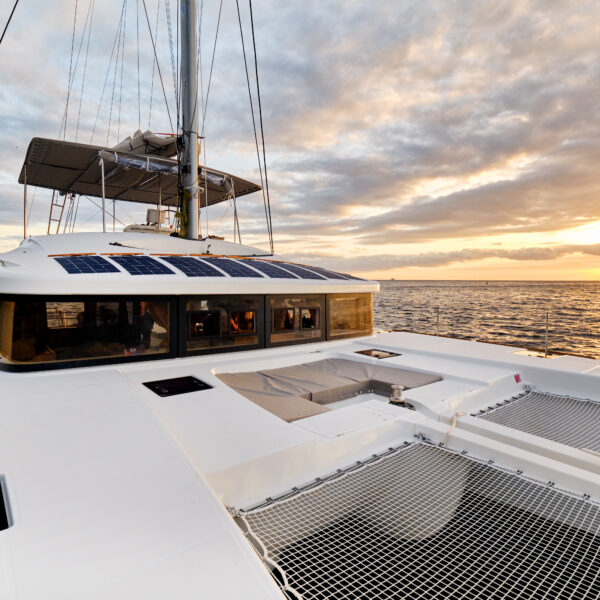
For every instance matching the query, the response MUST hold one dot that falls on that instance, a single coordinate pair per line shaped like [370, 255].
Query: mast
[189, 108]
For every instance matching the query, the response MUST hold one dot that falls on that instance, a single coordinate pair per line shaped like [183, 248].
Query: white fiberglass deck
[117, 492]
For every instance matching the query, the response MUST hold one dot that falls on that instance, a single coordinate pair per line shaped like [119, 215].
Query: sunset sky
[415, 140]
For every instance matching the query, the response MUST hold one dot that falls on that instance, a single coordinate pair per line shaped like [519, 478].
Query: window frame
[259, 325]
[344, 336]
[308, 301]
[9, 365]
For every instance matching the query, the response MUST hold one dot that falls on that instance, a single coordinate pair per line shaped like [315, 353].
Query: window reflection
[349, 315]
[295, 319]
[222, 321]
[83, 329]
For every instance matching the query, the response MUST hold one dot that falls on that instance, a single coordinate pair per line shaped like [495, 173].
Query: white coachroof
[74, 168]
[32, 269]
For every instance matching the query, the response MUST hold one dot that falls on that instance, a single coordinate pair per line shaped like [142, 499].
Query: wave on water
[509, 312]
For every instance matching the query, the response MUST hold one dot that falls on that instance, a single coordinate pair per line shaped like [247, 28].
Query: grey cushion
[323, 387]
[277, 398]
[287, 392]
[375, 377]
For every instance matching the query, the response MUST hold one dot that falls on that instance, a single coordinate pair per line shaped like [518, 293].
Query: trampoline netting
[571, 421]
[423, 522]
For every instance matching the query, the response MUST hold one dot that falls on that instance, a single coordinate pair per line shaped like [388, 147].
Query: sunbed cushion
[299, 391]
[322, 386]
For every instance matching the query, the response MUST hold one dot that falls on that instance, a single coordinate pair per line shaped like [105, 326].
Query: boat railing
[432, 321]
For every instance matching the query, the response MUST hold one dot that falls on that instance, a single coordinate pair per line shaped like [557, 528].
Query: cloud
[391, 122]
[388, 262]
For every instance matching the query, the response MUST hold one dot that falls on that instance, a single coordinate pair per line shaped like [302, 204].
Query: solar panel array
[193, 267]
[325, 272]
[271, 270]
[76, 265]
[301, 272]
[233, 268]
[142, 265]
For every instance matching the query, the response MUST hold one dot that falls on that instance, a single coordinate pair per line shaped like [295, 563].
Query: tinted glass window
[223, 321]
[295, 318]
[83, 329]
[349, 315]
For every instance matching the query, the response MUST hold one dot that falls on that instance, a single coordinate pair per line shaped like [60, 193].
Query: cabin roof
[153, 264]
[70, 167]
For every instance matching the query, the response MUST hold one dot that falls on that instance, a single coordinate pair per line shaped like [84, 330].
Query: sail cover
[73, 168]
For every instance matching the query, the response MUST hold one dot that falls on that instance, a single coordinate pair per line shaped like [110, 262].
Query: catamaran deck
[136, 491]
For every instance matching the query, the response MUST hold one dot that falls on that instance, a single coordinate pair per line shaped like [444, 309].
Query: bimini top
[142, 263]
[75, 168]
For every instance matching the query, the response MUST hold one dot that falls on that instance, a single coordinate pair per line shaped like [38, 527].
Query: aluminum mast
[189, 108]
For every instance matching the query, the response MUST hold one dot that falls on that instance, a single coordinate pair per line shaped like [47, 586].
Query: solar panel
[325, 272]
[271, 270]
[142, 265]
[76, 265]
[231, 267]
[301, 271]
[192, 267]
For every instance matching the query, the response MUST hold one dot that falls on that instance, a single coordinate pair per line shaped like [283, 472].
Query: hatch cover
[425, 522]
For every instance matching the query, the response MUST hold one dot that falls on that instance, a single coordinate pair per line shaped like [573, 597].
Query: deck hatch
[571, 421]
[142, 265]
[425, 522]
[77, 265]
[176, 386]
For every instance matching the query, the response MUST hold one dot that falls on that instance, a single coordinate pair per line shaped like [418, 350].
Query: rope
[455, 416]
[254, 123]
[262, 133]
[12, 12]
[157, 63]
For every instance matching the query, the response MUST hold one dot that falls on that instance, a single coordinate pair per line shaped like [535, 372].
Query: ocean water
[509, 312]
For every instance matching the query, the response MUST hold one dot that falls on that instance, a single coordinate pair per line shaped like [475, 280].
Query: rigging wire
[153, 64]
[212, 64]
[87, 51]
[64, 124]
[73, 70]
[157, 64]
[122, 68]
[200, 81]
[121, 33]
[106, 77]
[205, 104]
[173, 71]
[270, 233]
[137, 27]
[262, 132]
[12, 12]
